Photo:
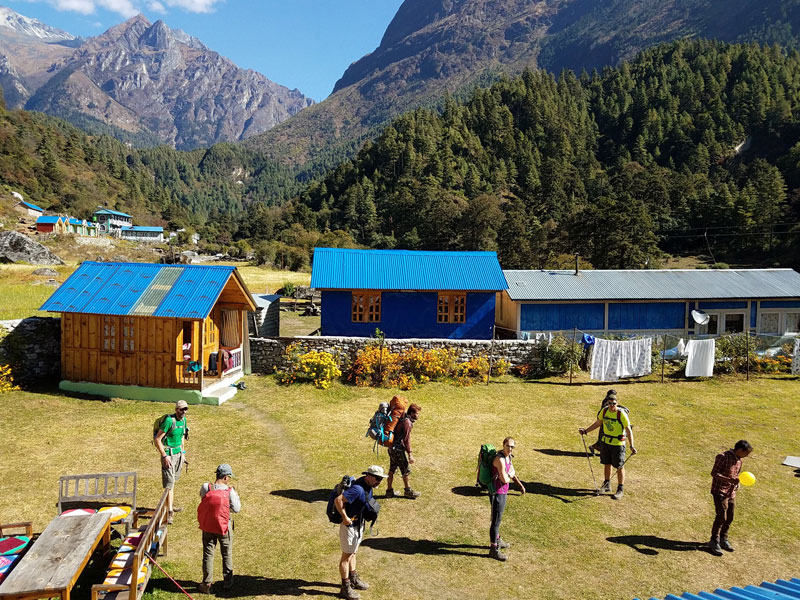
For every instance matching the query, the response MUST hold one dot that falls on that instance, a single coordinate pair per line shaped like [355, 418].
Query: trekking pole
[596, 489]
[624, 462]
[152, 560]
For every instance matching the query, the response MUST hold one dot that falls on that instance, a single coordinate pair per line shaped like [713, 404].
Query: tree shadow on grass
[320, 495]
[557, 452]
[566, 495]
[402, 545]
[650, 544]
[252, 585]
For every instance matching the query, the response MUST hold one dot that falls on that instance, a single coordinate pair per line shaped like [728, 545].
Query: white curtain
[614, 359]
[231, 335]
[700, 361]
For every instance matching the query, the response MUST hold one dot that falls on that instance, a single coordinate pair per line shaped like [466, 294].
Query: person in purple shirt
[398, 451]
[503, 474]
[350, 504]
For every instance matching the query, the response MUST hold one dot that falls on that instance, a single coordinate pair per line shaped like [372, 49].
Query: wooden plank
[66, 329]
[94, 332]
[84, 331]
[59, 554]
[129, 364]
[159, 335]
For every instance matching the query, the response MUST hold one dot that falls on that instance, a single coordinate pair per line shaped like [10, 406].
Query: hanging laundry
[796, 358]
[587, 339]
[612, 360]
[700, 361]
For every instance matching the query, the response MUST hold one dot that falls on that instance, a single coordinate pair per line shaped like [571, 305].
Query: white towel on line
[700, 362]
[613, 359]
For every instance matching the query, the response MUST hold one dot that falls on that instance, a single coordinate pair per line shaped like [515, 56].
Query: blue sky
[303, 44]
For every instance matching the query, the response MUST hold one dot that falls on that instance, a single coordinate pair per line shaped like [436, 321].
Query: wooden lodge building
[153, 332]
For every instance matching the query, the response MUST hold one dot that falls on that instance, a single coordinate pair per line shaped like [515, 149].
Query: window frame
[369, 309]
[456, 305]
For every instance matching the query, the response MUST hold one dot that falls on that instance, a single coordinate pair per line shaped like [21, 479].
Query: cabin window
[366, 307]
[110, 333]
[734, 323]
[769, 323]
[210, 333]
[451, 308]
[792, 322]
[128, 334]
[187, 340]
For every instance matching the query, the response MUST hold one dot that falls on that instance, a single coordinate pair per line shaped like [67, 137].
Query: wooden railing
[236, 360]
[187, 378]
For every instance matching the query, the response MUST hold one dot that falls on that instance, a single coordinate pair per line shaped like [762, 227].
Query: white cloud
[195, 6]
[85, 7]
[122, 7]
[156, 6]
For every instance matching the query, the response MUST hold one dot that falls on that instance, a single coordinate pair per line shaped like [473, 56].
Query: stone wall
[267, 354]
[32, 347]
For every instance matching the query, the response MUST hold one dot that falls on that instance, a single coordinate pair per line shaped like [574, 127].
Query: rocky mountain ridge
[145, 79]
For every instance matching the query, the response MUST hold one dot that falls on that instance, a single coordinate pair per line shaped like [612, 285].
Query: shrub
[560, 354]
[376, 366]
[428, 365]
[314, 366]
[6, 380]
[730, 353]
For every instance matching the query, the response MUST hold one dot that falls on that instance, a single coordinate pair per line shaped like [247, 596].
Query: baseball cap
[223, 470]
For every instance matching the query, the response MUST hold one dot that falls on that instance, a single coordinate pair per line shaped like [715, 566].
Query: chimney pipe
[577, 269]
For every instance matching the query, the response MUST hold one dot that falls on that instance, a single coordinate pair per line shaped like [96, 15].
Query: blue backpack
[377, 425]
[333, 514]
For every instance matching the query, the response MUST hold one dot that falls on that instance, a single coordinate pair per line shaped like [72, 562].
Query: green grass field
[289, 445]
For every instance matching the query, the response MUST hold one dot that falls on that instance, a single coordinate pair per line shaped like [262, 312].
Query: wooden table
[53, 564]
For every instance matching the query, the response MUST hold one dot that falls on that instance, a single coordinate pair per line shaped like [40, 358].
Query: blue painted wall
[704, 305]
[626, 316]
[560, 317]
[409, 315]
[780, 304]
[753, 314]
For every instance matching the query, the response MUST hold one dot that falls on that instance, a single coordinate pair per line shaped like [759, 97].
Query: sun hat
[375, 471]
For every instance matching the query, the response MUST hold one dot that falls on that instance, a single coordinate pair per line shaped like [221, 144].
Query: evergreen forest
[693, 147]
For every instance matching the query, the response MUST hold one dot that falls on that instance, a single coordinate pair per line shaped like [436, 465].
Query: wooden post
[747, 350]
[380, 364]
[663, 355]
[574, 335]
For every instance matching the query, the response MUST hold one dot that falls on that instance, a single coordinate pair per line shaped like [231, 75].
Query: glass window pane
[793, 322]
[769, 323]
[734, 323]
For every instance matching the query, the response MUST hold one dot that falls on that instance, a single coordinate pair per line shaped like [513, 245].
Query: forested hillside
[691, 146]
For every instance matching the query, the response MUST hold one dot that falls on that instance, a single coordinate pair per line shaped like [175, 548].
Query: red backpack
[214, 511]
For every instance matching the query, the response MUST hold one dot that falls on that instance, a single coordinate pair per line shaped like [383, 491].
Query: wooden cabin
[153, 332]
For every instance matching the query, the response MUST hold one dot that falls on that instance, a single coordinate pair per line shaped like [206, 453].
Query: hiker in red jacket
[397, 453]
[217, 503]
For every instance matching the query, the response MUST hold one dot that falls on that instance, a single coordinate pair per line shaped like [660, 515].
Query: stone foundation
[32, 347]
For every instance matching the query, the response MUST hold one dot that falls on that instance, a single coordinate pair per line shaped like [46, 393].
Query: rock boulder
[16, 247]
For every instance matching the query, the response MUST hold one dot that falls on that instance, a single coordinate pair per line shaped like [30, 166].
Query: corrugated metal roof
[782, 589]
[73, 221]
[677, 284]
[183, 291]
[142, 228]
[340, 268]
[29, 205]
[108, 211]
[48, 219]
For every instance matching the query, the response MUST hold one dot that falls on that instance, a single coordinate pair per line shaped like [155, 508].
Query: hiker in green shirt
[616, 431]
[169, 443]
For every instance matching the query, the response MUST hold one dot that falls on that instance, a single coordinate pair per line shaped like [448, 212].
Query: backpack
[397, 408]
[159, 423]
[214, 511]
[620, 409]
[370, 513]
[333, 514]
[486, 457]
[377, 425]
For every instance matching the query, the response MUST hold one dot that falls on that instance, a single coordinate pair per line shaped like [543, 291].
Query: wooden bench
[131, 569]
[96, 490]
[11, 535]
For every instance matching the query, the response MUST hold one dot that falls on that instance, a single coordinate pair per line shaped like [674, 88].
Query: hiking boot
[204, 588]
[409, 493]
[347, 592]
[618, 494]
[390, 493]
[606, 487]
[714, 548]
[227, 583]
[357, 583]
[725, 545]
[497, 555]
[502, 544]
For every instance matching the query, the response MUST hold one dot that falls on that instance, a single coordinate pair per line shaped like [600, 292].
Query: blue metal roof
[782, 589]
[108, 211]
[49, 219]
[143, 228]
[346, 269]
[183, 291]
[29, 205]
[653, 284]
[73, 221]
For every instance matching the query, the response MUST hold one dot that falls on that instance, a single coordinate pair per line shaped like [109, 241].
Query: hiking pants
[226, 547]
[724, 506]
[498, 506]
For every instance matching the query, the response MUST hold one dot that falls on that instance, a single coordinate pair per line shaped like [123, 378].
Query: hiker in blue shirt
[350, 504]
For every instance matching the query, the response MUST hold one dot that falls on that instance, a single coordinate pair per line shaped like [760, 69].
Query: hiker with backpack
[169, 431]
[350, 508]
[218, 502]
[502, 474]
[616, 432]
[598, 444]
[398, 451]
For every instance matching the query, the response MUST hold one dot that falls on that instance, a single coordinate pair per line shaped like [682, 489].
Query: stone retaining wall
[33, 349]
[268, 354]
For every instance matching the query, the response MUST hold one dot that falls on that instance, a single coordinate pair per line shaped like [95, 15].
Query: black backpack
[344, 484]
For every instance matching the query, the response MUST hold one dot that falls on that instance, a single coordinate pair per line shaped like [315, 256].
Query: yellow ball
[746, 478]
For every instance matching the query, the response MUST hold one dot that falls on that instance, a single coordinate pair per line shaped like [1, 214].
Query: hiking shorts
[398, 460]
[350, 537]
[612, 455]
[171, 475]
